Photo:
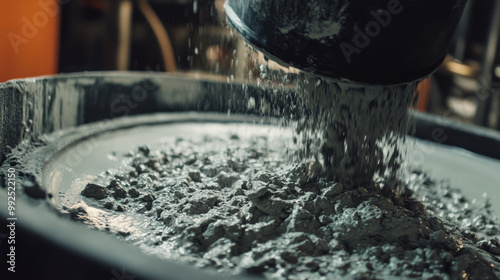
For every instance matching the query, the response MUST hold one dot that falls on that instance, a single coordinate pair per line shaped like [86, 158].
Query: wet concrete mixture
[239, 206]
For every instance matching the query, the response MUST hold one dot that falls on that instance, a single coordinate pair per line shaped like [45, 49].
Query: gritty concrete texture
[239, 205]
[269, 217]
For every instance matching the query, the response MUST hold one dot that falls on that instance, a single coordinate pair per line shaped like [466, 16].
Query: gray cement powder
[238, 206]
[341, 211]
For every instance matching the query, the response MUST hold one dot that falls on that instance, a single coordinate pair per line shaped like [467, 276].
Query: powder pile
[342, 208]
[238, 206]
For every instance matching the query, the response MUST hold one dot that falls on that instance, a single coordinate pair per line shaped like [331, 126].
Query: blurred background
[190, 37]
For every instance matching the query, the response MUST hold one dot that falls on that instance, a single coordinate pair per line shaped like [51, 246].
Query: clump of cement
[237, 206]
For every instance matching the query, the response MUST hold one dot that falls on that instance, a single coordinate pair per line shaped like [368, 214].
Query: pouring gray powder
[238, 206]
[342, 210]
[356, 129]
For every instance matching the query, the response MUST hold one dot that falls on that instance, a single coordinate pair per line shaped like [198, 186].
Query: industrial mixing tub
[51, 246]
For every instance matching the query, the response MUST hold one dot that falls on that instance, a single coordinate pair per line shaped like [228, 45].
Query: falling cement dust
[357, 130]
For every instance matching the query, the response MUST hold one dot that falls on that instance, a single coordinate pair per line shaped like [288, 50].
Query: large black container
[374, 42]
[53, 247]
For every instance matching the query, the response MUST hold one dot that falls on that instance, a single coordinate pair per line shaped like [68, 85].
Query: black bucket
[374, 42]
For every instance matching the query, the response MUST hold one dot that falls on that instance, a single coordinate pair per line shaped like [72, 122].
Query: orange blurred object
[29, 43]
[424, 92]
